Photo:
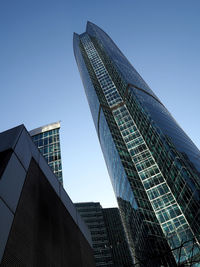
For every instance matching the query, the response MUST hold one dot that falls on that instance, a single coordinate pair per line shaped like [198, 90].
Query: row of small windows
[149, 172]
[142, 156]
[153, 181]
[45, 134]
[121, 113]
[113, 100]
[126, 126]
[111, 93]
[163, 201]
[56, 165]
[100, 73]
[149, 162]
[177, 223]
[129, 130]
[50, 149]
[52, 157]
[46, 141]
[110, 90]
[158, 191]
[168, 213]
[120, 110]
[123, 120]
[113, 96]
[138, 149]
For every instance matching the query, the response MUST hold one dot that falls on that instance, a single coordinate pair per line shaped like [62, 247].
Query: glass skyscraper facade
[153, 165]
[47, 139]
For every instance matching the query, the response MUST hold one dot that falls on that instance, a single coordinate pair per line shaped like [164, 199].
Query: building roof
[45, 128]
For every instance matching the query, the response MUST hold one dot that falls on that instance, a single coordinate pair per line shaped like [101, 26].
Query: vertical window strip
[111, 94]
[147, 169]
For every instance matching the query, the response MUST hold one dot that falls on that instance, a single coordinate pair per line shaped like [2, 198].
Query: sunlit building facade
[153, 165]
[47, 139]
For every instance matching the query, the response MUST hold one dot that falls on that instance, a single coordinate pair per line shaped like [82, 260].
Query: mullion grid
[113, 98]
[111, 94]
[136, 152]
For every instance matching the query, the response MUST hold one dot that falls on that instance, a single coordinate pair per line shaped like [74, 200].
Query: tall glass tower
[47, 139]
[153, 165]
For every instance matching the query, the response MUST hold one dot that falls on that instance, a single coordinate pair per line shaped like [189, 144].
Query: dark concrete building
[39, 225]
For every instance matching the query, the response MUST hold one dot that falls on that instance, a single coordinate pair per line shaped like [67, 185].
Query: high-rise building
[153, 165]
[47, 139]
[39, 225]
[108, 238]
[91, 213]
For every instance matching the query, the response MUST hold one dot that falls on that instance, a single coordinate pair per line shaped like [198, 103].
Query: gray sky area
[40, 82]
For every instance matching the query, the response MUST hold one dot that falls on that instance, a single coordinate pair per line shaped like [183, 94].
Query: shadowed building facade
[39, 224]
[119, 247]
[92, 214]
[47, 139]
[108, 238]
[153, 165]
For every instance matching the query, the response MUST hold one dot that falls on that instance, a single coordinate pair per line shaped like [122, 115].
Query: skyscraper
[153, 165]
[92, 214]
[107, 233]
[47, 139]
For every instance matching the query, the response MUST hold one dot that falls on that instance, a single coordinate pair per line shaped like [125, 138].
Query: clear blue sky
[40, 83]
